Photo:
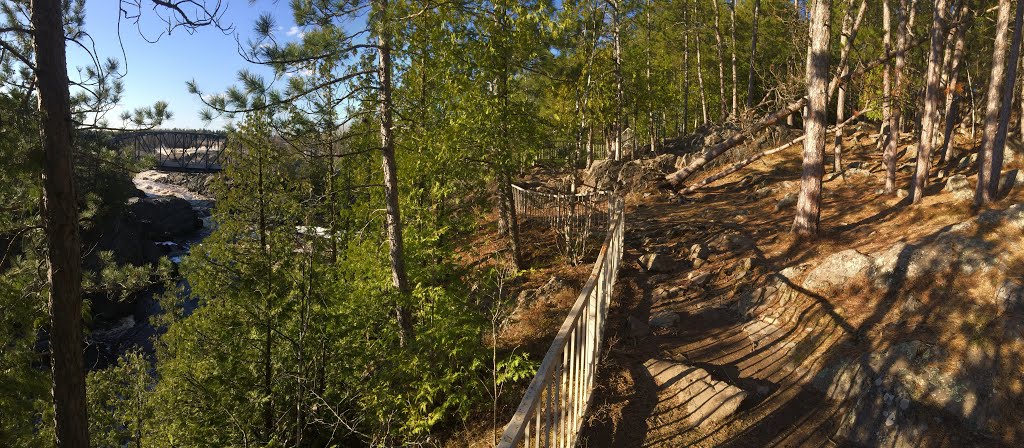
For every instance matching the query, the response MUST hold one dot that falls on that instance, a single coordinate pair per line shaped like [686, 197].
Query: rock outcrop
[164, 216]
[702, 399]
[836, 271]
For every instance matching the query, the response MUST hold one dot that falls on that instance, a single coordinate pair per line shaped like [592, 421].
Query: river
[128, 325]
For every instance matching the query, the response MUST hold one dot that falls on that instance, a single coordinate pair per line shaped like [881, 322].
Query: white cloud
[294, 30]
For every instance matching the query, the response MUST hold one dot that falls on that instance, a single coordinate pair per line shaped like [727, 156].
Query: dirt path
[775, 354]
[630, 411]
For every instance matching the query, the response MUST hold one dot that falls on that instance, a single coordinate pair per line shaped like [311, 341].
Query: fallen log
[747, 161]
[675, 180]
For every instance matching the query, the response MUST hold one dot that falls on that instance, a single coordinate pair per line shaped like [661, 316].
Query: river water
[128, 325]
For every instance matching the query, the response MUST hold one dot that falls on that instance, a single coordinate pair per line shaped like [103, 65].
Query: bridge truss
[174, 150]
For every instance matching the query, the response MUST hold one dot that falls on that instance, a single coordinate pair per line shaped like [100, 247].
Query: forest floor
[743, 222]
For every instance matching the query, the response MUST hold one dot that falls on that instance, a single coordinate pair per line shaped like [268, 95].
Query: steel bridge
[174, 150]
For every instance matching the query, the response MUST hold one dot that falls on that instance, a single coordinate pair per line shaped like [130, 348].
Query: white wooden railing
[552, 410]
[578, 220]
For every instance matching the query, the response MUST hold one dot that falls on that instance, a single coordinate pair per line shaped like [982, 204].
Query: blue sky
[160, 70]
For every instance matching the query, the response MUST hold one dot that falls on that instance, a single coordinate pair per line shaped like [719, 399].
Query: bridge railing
[552, 410]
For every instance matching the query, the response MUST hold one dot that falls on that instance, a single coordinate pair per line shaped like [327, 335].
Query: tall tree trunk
[986, 155]
[686, 70]
[700, 72]
[930, 115]
[675, 180]
[721, 63]
[60, 221]
[732, 31]
[650, 92]
[753, 53]
[393, 216]
[268, 286]
[952, 87]
[808, 206]
[616, 4]
[507, 208]
[896, 106]
[885, 133]
[849, 34]
[999, 143]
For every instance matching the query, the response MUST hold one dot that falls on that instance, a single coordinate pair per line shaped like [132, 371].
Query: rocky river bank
[165, 218]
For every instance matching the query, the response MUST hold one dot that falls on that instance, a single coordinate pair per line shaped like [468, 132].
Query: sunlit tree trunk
[732, 31]
[1004, 115]
[896, 107]
[650, 91]
[951, 112]
[686, 70]
[393, 217]
[994, 163]
[808, 208]
[987, 167]
[885, 134]
[849, 34]
[930, 115]
[617, 55]
[723, 107]
[753, 53]
[60, 223]
[700, 72]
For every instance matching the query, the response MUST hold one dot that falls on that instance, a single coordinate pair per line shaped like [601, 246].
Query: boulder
[601, 175]
[699, 278]
[958, 186]
[702, 400]
[553, 286]
[858, 172]
[1009, 296]
[957, 182]
[787, 201]
[698, 252]
[967, 162]
[639, 175]
[637, 327]
[664, 319]
[902, 263]
[837, 270]
[1014, 216]
[749, 301]
[656, 263]
[763, 192]
[125, 239]
[164, 216]
[665, 162]
[196, 182]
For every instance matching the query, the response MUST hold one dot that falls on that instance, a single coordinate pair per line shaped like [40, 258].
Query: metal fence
[552, 410]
